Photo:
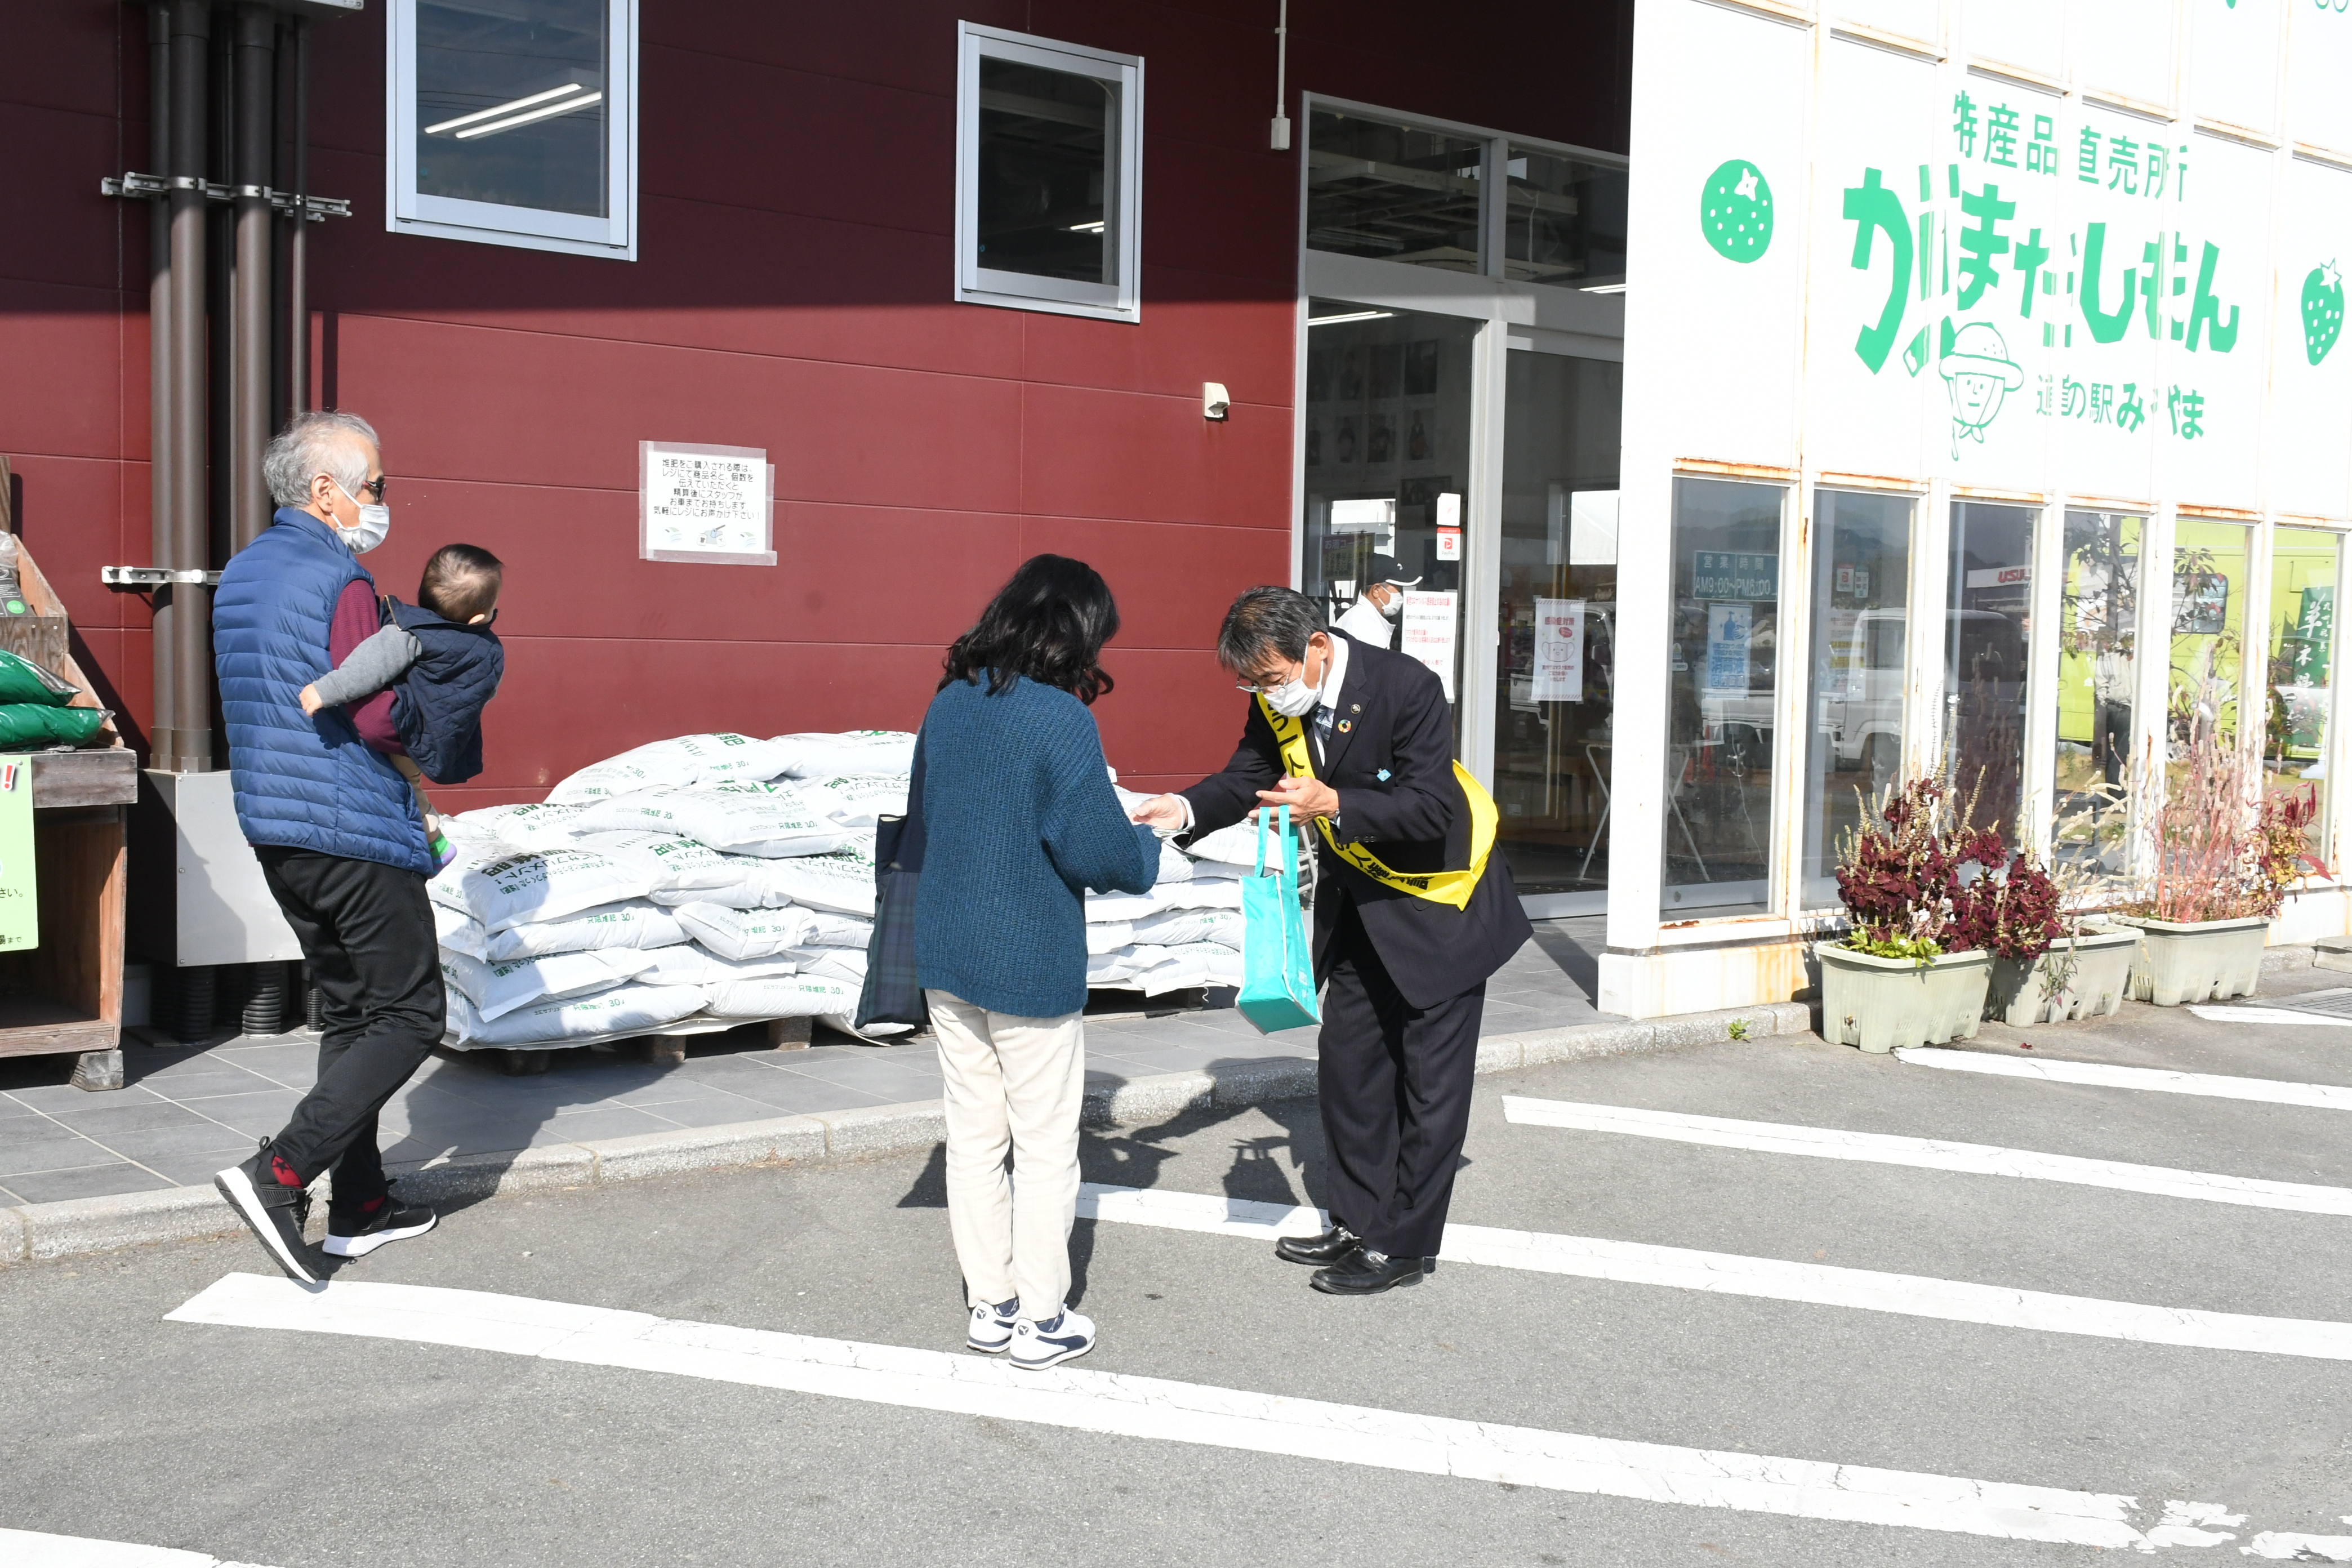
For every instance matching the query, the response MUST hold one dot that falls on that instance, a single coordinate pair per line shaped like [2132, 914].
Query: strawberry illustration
[2323, 310]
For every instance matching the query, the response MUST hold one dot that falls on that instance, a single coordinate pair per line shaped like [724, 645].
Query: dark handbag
[892, 993]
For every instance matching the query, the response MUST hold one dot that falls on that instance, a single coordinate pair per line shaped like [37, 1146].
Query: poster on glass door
[1429, 627]
[1559, 675]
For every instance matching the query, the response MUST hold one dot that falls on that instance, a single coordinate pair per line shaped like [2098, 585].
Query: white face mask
[1293, 699]
[375, 522]
[1394, 608]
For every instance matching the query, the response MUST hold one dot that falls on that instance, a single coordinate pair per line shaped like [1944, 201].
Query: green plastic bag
[1277, 966]
[22, 681]
[30, 726]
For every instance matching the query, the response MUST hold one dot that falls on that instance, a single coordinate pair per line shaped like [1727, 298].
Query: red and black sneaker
[270, 1198]
[360, 1230]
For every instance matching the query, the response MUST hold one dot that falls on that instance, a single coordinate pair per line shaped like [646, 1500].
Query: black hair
[1049, 623]
[1263, 619]
[460, 581]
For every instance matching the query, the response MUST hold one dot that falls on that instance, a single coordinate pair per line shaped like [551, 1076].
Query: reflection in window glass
[1049, 161]
[2098, 610]
[1565, 222]
[2209, 625]
[1388, 469]
[1556, 688]
[510, 103]
[2302, 633]
[1988, 619]
[1853, 747]
[1392, 192]
[1718, 783]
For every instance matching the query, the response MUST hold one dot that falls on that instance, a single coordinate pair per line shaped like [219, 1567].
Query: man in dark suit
[1412, 912]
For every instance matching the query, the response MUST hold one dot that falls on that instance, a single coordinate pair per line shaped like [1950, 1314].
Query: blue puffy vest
[304, 782]
[437, 705]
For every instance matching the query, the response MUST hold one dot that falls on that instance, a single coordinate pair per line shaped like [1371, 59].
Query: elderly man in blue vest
[338, 832]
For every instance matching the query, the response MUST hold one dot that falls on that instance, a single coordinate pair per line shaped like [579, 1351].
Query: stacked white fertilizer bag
[693, 883]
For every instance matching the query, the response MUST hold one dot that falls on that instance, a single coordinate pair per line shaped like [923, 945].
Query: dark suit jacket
[1398, 797]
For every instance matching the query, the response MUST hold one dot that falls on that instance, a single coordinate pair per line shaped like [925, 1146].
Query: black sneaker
[355, 1233]
[272, 1209]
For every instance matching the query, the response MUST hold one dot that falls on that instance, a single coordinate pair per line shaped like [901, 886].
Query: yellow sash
[1438, 887]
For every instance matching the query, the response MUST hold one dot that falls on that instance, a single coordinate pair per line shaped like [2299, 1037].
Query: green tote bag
[1277, 966]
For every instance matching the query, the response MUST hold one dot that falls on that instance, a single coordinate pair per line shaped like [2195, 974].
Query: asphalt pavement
[373, 1445]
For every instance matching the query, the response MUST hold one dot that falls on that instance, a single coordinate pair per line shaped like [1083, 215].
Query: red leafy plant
[2220, 847]
[1918, 880]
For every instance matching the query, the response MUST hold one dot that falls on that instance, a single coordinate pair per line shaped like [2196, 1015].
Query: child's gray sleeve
[375, 664]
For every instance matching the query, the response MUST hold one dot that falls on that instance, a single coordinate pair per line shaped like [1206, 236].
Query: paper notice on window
[20, 902]
[1558, 674]
[709, 504]
[1429, 627]
[1728, 629]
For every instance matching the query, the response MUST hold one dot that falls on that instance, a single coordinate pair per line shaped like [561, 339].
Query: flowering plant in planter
[1921, 881]
[2219, 848]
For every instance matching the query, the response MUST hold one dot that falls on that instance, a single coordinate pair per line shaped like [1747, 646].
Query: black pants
[1395, 1091]
[367, 932]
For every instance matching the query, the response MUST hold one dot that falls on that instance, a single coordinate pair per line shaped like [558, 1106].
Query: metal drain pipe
[249, 424]
[183, 734]
[161, 475]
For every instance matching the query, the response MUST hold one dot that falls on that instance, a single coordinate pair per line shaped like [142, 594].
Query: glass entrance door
[1390, 406]
[1556, 622]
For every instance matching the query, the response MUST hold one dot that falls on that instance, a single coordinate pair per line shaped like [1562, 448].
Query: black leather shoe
[1364, 1272]
[1314, 1251]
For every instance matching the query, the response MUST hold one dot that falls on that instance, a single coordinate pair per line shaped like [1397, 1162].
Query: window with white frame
[1049, 164]
[514, 122]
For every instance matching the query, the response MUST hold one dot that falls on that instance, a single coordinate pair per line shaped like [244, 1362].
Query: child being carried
[442, 663]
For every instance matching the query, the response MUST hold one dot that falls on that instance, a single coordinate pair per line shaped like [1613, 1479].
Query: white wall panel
[2319, 75]
[2029, 33]
[2124, 46]
[2311, 425]
[2233, 61]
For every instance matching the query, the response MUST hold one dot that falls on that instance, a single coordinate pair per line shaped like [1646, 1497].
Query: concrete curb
[83, 1225]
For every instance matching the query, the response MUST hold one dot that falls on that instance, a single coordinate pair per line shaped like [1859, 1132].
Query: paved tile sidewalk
[189, 1110]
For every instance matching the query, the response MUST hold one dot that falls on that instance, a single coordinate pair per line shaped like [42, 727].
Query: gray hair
[1279, 620]
[315, 444]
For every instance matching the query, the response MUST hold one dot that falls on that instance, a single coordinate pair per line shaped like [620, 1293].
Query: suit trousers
[1013, 1085]
[366, 930]
[1394, 1083]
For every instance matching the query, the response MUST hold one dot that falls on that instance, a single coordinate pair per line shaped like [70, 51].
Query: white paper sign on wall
[1429, 626]
[1558, 674]
[708, 504]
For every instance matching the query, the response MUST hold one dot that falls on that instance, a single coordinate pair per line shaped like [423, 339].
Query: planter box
[2197, 961]
[2024, 994]
[1880, 1004]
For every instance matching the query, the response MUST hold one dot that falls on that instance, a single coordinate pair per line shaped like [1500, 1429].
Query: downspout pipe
[182, 733]
[249, 313]
[160, 474]
[298, 244]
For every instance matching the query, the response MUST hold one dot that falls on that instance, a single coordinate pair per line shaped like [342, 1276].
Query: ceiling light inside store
[564, 106]
[1094, 228]
[1604, 288]
[1350, 316]
[508, 108]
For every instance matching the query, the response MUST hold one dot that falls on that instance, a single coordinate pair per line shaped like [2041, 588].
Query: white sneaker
[991, 1332]
[1067, 1334]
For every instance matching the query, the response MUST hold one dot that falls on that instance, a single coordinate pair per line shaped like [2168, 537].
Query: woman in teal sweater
[1019, 820]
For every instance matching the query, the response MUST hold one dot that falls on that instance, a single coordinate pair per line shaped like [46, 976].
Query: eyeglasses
[374, 487]
[1265, 685]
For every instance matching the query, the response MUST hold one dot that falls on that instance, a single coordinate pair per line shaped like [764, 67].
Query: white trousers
[1015, 1084]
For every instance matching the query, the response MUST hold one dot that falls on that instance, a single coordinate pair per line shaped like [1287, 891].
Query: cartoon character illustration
[1979, 372]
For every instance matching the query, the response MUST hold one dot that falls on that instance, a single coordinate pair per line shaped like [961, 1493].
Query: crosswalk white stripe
[1160, 1408]
[1929, 1154]
[33, 1549]
[1771, 1278]
[2281, 1015]
[2159, 1081]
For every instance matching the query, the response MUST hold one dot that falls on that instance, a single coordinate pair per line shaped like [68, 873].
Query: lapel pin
[1344, 726]
[1355, 708]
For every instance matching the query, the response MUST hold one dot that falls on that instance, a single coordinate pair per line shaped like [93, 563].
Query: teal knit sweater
[1019, 820]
